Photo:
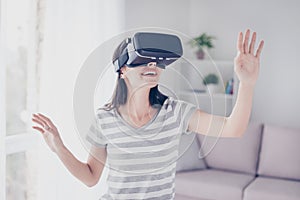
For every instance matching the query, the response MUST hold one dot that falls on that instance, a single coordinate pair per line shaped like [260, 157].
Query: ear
[123, 69]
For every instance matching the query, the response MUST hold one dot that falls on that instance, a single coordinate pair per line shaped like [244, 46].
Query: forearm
[237, 122]
[79, 169]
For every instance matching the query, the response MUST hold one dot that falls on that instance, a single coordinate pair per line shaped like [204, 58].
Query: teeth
[149, 73]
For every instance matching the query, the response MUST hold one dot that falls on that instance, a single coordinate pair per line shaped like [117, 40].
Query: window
[21, 175]
[17, 53]
[19, 45]
[22, 40]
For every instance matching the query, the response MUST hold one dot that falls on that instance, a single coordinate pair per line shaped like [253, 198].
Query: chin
[151, 81]
[152, 84]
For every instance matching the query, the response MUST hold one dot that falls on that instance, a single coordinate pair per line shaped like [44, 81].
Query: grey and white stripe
[142, 161]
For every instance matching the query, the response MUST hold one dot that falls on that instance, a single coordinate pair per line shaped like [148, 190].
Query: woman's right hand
[49, 132]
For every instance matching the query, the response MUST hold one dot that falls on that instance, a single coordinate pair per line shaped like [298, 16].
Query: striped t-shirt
[142, 161]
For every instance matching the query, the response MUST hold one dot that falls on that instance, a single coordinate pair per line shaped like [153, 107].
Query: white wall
[277, 97]
[170, 14]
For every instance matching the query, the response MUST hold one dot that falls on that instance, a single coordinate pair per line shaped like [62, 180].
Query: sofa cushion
[183, 197]
[272, 188]
[235, 154]
[279, 155]
[212, 184]
[189, 148]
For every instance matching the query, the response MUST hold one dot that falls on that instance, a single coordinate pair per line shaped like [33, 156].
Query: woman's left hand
[246, 64]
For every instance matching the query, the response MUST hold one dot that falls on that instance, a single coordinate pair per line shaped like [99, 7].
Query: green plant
[202, 40]
[211, 79]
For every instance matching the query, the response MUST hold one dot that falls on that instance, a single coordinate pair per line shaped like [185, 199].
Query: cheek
[160, 72]
[135, 78]
[133, 74]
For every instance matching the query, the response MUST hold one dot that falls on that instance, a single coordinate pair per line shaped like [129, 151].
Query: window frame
[2, 108]
[25, 141]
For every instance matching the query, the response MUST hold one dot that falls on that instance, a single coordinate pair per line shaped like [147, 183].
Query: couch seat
[212, 184]
[272, 188]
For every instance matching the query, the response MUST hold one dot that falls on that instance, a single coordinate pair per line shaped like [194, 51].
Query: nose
[151, 64]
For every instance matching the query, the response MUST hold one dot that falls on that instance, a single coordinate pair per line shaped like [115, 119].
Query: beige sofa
[262, 165]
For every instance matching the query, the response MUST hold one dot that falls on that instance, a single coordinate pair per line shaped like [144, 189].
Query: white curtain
[71, 29]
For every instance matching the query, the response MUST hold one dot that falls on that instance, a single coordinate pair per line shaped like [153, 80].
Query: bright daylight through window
[18, 24]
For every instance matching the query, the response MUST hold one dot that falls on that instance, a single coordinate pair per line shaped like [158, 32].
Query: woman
[138, 132]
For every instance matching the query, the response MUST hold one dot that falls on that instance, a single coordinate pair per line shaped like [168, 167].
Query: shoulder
[102, 113]
[172, 103]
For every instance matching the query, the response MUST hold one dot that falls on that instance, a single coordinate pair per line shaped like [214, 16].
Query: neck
[138, 104]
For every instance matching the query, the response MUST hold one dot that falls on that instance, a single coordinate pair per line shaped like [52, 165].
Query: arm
[246, 66]
[90, 172]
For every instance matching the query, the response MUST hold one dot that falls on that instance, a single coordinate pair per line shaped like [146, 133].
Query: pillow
[279, 155]
[188, 157]
[234, 154]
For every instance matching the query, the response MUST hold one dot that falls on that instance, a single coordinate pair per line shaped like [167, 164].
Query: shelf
[191, 88]
[205, 94]
[216, 62]
[217, 103]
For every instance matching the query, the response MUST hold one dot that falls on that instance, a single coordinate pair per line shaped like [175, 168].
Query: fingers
[47, 120]
[245, 45]
[39, 120]
[242, 46]
[44, 122]
[260, 47]
[240, 43]
[251, 50]
[39, 129]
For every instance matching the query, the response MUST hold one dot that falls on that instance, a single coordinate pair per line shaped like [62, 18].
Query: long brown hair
[120, 94]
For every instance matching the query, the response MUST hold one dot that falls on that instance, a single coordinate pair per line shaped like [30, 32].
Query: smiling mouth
[149, 73]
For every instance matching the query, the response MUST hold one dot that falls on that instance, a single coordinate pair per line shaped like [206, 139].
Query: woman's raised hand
[246, 63]
[49, 131]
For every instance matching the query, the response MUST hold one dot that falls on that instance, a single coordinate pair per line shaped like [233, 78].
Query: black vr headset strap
[123, 58]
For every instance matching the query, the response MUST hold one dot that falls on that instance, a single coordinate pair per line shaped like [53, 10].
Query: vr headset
[145, 47]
